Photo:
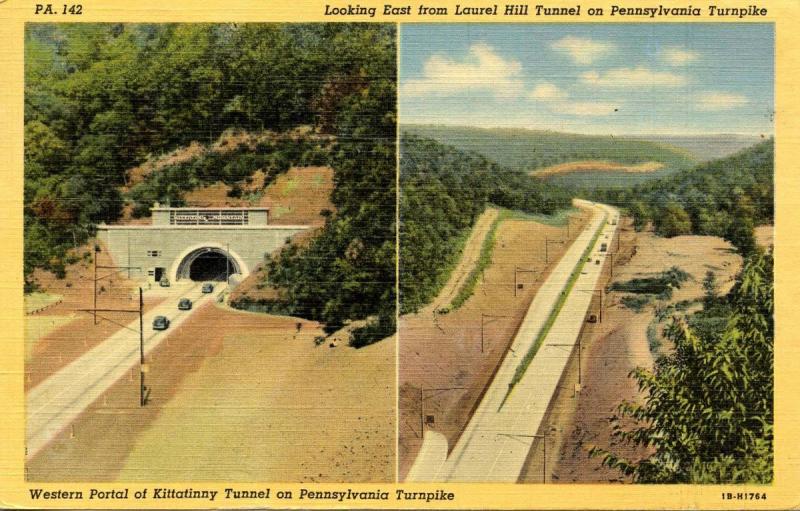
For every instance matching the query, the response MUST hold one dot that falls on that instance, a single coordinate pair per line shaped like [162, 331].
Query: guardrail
[44, 307]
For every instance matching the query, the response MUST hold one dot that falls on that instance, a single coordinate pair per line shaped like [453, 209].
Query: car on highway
[208, 287]
[592, 318]
[185, 304]
[160, 323]
[164, 282]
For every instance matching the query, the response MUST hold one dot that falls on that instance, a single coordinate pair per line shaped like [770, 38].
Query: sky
[619, 79]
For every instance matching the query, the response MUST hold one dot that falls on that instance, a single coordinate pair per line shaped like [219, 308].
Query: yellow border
[783, 493]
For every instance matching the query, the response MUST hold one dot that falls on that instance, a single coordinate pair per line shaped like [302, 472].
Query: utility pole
[593, 291]
[611, 268]
[517, 269]
[142, 365]
[579, 356]
[544, 450]
[422, 403]
[544, 457]
[96, 278]
[601, 302]
[546, 242]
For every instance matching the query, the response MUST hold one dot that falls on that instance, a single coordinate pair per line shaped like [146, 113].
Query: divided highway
[55, 403]
[496, 442]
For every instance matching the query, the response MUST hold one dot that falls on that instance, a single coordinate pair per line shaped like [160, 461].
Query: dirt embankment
[597, 166]
[469, 258]
[62, 332]
[296, 197]
[238, 396]
[227, 141]
[447, 360]
[613, 348]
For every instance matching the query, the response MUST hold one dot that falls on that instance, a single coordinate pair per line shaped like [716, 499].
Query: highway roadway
[56, 402]
[499, 436]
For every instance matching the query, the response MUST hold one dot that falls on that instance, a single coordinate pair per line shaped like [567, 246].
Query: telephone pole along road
[55, 403]
[499, 436]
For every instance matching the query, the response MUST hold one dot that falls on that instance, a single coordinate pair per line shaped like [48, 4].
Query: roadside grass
[38, 300]
[528, 358]
[467, 289]
[483, 262]
[458, 249]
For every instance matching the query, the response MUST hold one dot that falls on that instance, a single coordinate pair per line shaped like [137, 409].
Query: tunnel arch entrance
[209, 263]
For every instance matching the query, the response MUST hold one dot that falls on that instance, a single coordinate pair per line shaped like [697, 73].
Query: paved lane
[496, 442]
[52, 405]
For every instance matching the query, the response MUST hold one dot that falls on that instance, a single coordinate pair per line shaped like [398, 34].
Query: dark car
[208, 287]
[185, 304]
[160, 323]
[164, 282]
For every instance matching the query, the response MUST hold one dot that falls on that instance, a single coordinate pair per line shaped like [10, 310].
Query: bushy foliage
[708, 406]
[443, 190]
[657, 285]
[348, 270]
[232, 167]
[726, 197]
[101, 98]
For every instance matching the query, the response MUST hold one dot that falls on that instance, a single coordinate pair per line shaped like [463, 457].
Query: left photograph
[210, 256]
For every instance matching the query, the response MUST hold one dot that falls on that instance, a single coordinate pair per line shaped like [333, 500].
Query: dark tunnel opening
[211, 266]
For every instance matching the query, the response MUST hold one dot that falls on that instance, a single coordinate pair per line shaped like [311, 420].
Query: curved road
[496, 442]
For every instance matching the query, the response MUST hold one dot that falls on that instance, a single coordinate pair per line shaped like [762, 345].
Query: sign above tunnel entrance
[212, 217]
[209, 216]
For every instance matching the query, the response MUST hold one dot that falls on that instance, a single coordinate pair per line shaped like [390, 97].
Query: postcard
[421, 256]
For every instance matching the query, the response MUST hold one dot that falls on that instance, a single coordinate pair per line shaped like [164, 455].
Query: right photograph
[586, 253]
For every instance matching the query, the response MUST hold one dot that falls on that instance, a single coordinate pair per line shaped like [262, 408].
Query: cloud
[677, 56]
[483, 70]
[633, 77]
[548, 92]
[581, 50]
[717, 101]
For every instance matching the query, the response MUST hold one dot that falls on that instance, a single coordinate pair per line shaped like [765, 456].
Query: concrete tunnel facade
[196, 243]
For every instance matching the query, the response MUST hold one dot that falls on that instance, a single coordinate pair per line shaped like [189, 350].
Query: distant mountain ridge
[707, 147]
[529, 150]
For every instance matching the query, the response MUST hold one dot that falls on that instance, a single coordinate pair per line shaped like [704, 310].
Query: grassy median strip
[551, 319]
[485, 258]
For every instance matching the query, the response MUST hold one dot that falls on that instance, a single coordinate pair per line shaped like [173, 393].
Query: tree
[640, 215]
[741, 230]
[710, 287]
[673, 221]
[708, 406]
